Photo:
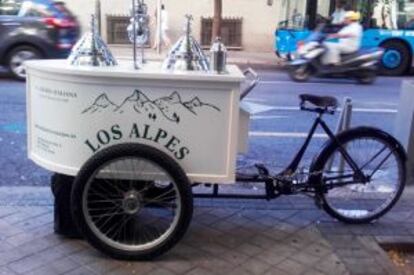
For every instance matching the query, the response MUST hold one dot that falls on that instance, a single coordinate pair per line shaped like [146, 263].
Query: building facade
[251, 23]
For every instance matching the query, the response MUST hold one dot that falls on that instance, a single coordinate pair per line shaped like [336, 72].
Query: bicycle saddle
[323, 103]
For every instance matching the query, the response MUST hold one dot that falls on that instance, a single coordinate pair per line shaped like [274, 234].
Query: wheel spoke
[358, 201]
[132, 204]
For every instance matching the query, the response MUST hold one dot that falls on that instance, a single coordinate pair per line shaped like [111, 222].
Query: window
[292, 14]
[405, 16]
[387, 14]
[231, 32]
[10, 7]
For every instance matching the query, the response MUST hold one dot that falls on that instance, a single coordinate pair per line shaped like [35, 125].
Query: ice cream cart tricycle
[137, 141]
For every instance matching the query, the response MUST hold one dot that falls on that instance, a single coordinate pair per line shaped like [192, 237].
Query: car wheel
[396, 59]
[17, 57]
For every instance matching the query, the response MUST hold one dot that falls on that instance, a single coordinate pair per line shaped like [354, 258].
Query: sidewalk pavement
[257, 60]
[285, 236]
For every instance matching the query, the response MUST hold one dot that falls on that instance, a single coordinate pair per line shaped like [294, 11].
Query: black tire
[17, 56]
[300, 73]
[128, 247]
[367, 78]
[336, 208]
[404, 51]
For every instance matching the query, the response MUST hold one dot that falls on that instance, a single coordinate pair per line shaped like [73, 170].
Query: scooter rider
[349, 36]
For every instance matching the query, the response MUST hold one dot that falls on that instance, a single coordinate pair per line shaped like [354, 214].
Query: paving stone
[87, 256]
[276, 234]
[208, 219]
[256, 266]
[306, 258]
[176, 264]
[12, 256]
[230, 241]
[275, 271]
[292, 267]
[80, 271]
[6, 271]
[363, 266]
[216, 265]
[239, 271]
[36, 245]
[60, 266]
[263, 241]
[103, 266]
[313, 272]
[21, 238]
[271, 257]
[234, 257]
[26, 264]
[249, 249]
[214, 248]
[136, 268]
[225, 226]
[318, 249]
[284, 250]
[330, 265]
[189, 252]
[160, 271]
[199, 271]
[8, 230]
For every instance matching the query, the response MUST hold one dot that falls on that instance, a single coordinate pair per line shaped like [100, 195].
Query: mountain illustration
[141, 104]
[196, 103]
[101, 103]
[137, 98]
[170, 107]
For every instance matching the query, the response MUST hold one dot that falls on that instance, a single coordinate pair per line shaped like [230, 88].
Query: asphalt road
[276, 132]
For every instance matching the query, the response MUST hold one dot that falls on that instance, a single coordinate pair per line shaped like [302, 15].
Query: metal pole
[98, 16]
[158, 31]
[134, 28]
[344, 123]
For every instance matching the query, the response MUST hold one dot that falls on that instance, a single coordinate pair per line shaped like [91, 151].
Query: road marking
[303, 83]
[267, 117]
[261, 108]
[255, 108]
[285, 135]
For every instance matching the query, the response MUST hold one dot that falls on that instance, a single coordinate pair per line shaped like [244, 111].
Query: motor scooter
[361, 65]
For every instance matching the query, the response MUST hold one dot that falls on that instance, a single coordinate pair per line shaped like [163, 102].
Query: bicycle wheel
[132, 202]
[344, 195]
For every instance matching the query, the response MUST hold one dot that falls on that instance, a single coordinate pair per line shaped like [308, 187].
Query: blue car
[34, 29]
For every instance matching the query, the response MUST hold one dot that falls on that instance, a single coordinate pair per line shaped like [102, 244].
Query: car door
[9, 10]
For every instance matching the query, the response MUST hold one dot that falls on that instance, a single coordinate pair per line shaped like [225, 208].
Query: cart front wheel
[132, 202]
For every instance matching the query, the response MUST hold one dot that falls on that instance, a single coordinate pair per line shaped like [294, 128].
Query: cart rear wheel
[132, 202]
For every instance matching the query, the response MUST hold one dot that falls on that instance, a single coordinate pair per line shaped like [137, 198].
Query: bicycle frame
[264, 176]
[294, 164]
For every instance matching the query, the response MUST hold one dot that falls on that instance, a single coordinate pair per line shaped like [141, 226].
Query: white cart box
[73, 112]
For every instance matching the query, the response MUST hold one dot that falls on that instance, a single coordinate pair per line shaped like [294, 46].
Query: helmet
[353, 15]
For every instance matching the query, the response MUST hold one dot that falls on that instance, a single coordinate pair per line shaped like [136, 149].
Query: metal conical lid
[186, 54]
[91, 50]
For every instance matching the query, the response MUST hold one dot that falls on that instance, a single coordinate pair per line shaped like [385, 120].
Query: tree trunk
[218, 7]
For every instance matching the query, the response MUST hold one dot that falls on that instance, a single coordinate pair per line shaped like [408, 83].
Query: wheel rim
[301, 73]
[364, 200]
[122, 209]
[17, 62]
[392, 59]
